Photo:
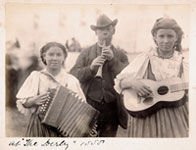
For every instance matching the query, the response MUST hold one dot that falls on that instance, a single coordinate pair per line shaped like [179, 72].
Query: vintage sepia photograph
[97, 70]
[97, 75]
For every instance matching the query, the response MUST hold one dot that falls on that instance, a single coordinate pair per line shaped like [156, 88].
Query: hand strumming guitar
[137, 85]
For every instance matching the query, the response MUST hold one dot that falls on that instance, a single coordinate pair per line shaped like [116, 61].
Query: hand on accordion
[37, 100]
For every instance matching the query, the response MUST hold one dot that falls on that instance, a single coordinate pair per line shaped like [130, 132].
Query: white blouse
[161, 68]
[39, 82]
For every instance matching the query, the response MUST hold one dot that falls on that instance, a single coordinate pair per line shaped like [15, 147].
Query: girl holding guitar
[158, 64]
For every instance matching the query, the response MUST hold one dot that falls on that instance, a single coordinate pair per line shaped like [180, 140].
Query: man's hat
[103, 21]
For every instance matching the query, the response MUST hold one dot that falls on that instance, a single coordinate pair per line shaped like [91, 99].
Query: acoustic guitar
[164, 93]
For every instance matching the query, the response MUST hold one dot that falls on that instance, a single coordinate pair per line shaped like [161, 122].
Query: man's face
[105, 34]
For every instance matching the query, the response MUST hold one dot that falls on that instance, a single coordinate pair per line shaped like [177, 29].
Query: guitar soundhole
[163, 90]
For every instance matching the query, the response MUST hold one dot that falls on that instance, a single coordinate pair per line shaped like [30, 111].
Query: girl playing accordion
[35, 89]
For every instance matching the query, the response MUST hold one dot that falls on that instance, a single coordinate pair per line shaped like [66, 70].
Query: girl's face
[165, 39]
[54, 57]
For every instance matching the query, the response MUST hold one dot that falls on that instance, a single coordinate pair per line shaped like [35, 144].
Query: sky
[41, 23]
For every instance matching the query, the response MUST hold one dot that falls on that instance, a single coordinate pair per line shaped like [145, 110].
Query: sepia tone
[29, 26]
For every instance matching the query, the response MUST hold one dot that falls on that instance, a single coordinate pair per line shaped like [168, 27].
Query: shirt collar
[176, 55]
[59, 75]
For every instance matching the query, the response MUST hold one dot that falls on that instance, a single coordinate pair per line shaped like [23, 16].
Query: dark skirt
[167, 122]
[36, 129]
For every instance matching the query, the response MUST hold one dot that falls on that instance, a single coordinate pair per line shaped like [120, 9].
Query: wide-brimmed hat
[103, 21]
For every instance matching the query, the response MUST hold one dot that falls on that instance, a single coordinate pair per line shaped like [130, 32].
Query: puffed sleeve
[74, 85]
[28, 89]
[136, 70]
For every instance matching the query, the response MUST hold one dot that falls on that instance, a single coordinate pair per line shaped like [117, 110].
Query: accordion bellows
[66, 111]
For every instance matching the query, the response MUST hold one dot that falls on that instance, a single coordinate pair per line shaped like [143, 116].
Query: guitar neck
[179, 87]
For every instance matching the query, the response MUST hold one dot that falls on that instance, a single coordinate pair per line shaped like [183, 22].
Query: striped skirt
[167, 122]
[36, 129]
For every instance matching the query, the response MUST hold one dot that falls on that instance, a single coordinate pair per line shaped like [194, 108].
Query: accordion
[66, 112]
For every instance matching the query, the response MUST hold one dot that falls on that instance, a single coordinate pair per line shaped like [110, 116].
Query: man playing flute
[96, 67]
